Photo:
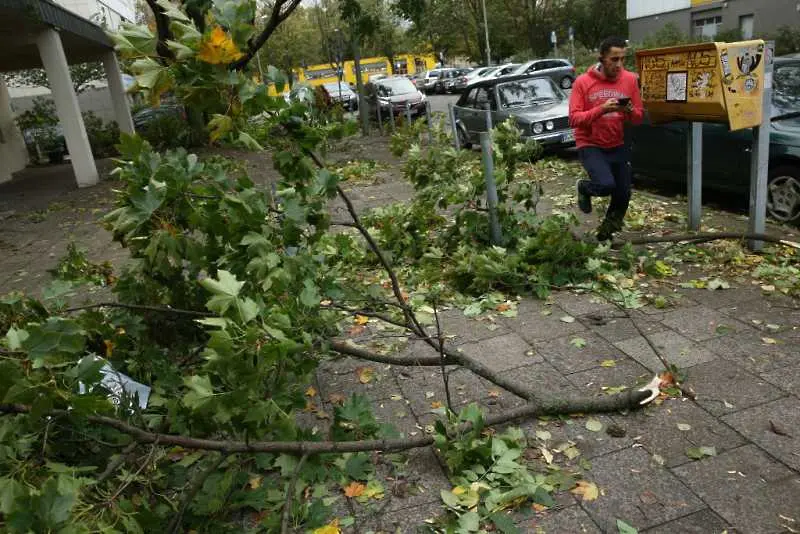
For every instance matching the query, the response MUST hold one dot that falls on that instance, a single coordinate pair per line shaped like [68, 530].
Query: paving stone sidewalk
[747, 404]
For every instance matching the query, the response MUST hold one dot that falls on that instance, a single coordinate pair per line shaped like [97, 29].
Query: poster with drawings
[676, 86]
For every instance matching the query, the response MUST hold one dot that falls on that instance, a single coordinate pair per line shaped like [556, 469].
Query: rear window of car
[400, 86]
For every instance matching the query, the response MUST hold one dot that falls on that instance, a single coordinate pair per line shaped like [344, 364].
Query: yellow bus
[404, 64]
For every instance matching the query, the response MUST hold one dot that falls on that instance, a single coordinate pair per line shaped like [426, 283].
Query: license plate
[568, 137]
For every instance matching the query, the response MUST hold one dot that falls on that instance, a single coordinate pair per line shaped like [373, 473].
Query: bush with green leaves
[103, 135]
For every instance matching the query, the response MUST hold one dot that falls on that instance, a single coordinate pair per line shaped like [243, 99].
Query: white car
[500, 70]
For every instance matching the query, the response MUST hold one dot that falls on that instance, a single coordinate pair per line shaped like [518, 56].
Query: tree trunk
[362, 107]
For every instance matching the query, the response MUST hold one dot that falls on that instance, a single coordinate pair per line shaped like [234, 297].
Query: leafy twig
[116, 462]
[188, 496]
[287, 505]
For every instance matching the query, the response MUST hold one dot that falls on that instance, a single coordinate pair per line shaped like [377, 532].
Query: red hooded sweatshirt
[590, 91]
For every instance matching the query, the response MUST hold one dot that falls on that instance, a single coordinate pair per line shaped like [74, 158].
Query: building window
[746, 26]
[707, 27]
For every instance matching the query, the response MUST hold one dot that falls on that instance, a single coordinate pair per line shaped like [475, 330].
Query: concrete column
[122, 113]
[13, 154]
[69, 114]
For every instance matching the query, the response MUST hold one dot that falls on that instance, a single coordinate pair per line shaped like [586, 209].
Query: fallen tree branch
[704, 236]
[628, 400]
[116, 462]
[349, 350]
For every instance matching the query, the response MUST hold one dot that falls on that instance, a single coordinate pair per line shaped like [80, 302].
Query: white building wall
[108, 13]
[645, 8]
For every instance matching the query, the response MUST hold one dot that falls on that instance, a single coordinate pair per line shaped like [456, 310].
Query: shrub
[103, 136]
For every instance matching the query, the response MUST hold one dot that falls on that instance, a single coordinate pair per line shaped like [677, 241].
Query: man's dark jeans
[609, 174]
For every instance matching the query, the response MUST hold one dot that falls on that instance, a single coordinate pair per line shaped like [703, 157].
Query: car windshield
[334, 87]
[529, 92]
[786, 98]
[400, 86]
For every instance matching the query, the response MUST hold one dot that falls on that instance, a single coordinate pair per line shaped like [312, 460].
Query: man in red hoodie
[602, 99]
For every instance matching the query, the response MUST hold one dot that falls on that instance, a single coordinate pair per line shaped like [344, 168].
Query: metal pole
[491, 188]
[380, 119]
[430, 122]
[408, 113]
[759, 163]
[452, 112]
[488, 120]
[486, 34]
[694, 170]
[391, 115]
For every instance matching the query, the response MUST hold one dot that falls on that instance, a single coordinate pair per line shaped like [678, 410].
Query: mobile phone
[624, 101]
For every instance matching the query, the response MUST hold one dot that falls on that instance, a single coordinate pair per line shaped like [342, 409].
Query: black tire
[566, 82]
[783, 194]
[463, 138]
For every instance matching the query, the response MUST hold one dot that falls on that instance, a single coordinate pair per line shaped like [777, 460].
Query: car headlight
[549, 125]
[537, 127]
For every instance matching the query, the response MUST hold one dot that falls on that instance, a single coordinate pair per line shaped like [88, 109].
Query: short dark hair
[612, 42]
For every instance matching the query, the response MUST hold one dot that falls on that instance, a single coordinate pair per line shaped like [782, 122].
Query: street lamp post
[338, 38]
[486, 35]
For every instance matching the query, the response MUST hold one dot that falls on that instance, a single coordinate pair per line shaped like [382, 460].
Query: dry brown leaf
[436, 404]
[494, 394]
[586, 490]
[311, 392]
[365, 374]
[360, 319]
[336, 398]
[354, 489]
[503, 307]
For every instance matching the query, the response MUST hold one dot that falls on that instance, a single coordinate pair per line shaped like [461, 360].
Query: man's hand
[629, 108]
[611, 105]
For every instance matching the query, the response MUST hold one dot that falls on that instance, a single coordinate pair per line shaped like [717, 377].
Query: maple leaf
[436, 405]
[336, 398]
[503, 307]
[360, 319]
[588, 491]
[365, 374]
[311, 392]
[255, 482]
[218, 48]
[330, 528]
[354, 489]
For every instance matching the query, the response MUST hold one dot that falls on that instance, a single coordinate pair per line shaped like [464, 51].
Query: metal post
[491, 188]
[694, 170]
[759, 163]
[408, 113]
[489, 120]
[430, 121]
[380, 119]
[391, 115]
[452, 113]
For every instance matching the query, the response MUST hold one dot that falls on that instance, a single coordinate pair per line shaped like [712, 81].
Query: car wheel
[566, 82]
[783, 194]
[463, 138]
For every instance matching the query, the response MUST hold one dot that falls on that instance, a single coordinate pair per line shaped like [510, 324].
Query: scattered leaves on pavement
[586, 490]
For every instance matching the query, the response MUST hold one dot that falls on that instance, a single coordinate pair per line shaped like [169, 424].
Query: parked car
[143, 118]
[446, 81]
[539, 107]
[560, 70]
[462, 81]
[428, 79]
[659, 151]
[335, 93]
[392, 94]
[498, 71]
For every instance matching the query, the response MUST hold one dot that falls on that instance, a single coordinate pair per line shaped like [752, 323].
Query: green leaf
[201, 391]
[469, 522]
[53, 338]
[309, 296]
[698, 453]
[358, 466]
[450, 499]
[225, 284]
[625, 528]
[593, 425]
[10, 491]
[578, 342]
[504, 523]
[248, 142]
[15, 338]
[53, 506]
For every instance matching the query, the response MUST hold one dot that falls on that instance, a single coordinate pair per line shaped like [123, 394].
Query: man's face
[612, 62]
